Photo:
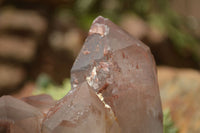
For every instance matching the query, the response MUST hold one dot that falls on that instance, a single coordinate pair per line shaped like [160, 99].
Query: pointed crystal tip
[99, 27]
[99, 19]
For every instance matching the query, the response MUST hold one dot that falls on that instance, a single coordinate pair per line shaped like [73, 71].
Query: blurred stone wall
[43, 37]
[20, 34]
[35, 39]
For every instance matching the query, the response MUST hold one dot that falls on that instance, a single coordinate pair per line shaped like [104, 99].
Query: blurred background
[39, 41]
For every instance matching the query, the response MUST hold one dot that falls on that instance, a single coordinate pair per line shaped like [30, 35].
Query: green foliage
[168, 124]
[45, 86]
[171, 25]
[43, 81]
[83, 6]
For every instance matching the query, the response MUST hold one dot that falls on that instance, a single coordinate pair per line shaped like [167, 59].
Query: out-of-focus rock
[134, 25]
[69, 41]
[43, 102]
[155, 35]
[123, 70]
[180, 92]
[65, 33]
[63, 20]
[14, 19]
[25, 91]
[141, 30]
[17, 116]
[22, 49]
[80, 111]
[10, 76]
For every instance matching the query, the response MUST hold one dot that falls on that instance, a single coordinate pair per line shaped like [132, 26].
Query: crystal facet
[43, 102]
[81, 111]
[17, 116]
[123, 70]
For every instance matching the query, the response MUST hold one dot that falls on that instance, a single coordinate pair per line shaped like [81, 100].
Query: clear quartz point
[123, 70]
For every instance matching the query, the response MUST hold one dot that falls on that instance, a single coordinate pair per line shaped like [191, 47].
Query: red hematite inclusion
[123, 70]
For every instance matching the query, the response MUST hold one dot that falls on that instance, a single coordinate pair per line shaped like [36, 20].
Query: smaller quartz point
[80, 111]
[43, 102]
[17, 116]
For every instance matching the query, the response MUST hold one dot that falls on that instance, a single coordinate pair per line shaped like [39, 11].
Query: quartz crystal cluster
[114, 90]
